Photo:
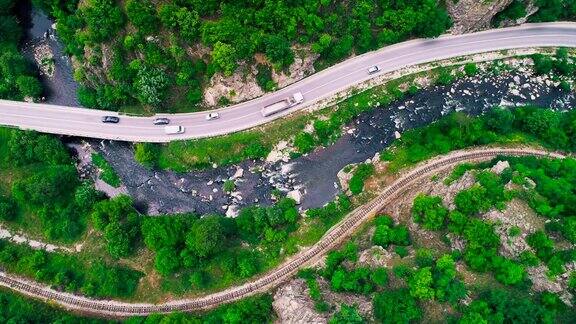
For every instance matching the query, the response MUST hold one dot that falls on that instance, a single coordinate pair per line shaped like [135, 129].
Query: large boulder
[296, 195]
[292, 304]
[500, 167]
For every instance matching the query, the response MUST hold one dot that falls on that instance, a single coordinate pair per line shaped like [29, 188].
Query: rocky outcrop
[240, 86]
[344, 177]
[519, 215]
[292, 304]
[296, 195]
[302, 67]
[500, 167]
[447, 193]
[280, 152]
[375, 256]
[44, 59]
[473, 15]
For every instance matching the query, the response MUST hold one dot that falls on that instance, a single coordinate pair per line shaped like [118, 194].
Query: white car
[173, 130]
[213, 115]
[373, 69]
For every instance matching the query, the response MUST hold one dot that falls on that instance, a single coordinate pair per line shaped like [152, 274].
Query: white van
[171, 130]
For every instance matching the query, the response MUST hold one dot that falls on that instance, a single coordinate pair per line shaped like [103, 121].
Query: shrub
[470, 69]
[444, 77]
[347, 314]
[385, 235]
[542, 64]
[515, 10]
[143, 15]
[229, 186]
[472, 201]
[151, 84]
[396, 306]
[51, 186]
[29, 86]
[429, 211]
[108, 174]
[206, 237]
[421, 284]
[264, 78]
[514, 231]
[363, 171]
[402, 251]
[26, 147]
[147, 154]
[120, 223]
[103, 19]
[379, 277]
[304, 142]
[8, 209]
[543, 245]
[424, 258]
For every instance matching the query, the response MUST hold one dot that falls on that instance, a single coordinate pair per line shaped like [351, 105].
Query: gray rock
[296, 195]
[232, 211]
[500, 167]
[238, 174]
[292, 304]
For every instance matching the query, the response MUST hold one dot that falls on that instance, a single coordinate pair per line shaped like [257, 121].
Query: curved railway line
[273, 278]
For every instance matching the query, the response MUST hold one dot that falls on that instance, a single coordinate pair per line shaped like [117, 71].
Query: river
[60, 88]
[160, 191]
[316, 173]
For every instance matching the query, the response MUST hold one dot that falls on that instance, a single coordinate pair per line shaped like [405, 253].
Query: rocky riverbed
[314, 176]
[41, 45]
[310, 179]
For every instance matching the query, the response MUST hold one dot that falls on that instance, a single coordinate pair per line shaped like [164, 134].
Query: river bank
[314, 175]
[41, 46]
[311, 179]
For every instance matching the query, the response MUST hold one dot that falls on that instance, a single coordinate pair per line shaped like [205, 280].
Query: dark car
[110, 119]
[161, 121]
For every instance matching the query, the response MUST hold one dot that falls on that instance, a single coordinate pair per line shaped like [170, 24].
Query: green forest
[190, 260]
[17, 309]
[41, 193]
[548, 10]
[18, 79]
[147, 48]
[422, 277]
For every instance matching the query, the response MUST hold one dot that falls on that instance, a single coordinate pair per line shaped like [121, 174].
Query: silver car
[373, 69]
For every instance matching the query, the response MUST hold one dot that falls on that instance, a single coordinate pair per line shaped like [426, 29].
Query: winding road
[86, 122]
[334, 237]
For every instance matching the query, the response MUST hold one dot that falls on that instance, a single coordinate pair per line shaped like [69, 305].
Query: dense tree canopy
[103, 19]
[429, 211]
[17, 78]
[160, 32]
[119, 222]
[396, 306]
[386, 233]
[47, 187]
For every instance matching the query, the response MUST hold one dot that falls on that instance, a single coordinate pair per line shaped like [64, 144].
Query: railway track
[335, 236]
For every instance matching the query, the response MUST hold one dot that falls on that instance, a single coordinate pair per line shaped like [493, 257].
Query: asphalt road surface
[87, 122]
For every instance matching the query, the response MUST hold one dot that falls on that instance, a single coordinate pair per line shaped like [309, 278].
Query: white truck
[284, 104]
[172, 130]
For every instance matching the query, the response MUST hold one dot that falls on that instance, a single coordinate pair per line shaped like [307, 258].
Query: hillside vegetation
[159, 54]
[17, 77]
